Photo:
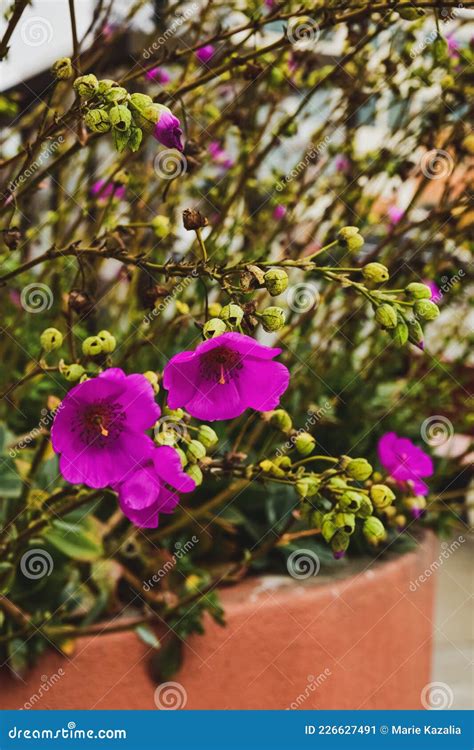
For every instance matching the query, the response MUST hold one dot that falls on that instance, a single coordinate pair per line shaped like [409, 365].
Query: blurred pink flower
[159, 75]
[405, 462]
[104, 189]
[279, 211]
[204, 54]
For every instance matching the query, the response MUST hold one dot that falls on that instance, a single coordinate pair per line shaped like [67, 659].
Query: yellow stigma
[222, 378]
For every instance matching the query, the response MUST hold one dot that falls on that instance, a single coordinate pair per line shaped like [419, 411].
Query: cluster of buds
[403, 321]
[230, 317]
[174, 430]
[103, 343]
[109, 107]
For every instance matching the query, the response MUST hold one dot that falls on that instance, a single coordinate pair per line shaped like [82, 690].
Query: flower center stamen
[220, 365]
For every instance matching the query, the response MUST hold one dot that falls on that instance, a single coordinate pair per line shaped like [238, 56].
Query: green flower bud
[51, 339]
[139, 101]
[195, 451]
[283, 461]
[276, 281]
[448, 82]
[316, 519]
[273, 318]
[146, 115]
[351, 500]
[214, 309]
[374, 530]
[359, 469]
[336, 483]
[97, 120]
[350, 238]
[214, 327]
[415, 290]
[86, 86]
[207, 436]
[346, 233]
[167, 436]
[345, 522]
[105, 84]
[92, 346]
[381, 495]
[161, 226]
[366, 508]
[416, 335]
[375, 272]
[195, 473]
[281, 419]
[328, 527]
[386, 316]
[340, 543]
[408, 14]
[266, 465]
[152, 378]
[173, 415]
[183, 457]
[400, 334]
[73, 372]
[426, 309]
[116, 94]
[120, 117]
[108, 341]
[304, 443]
[62, 69]
[308, 486]
[232, 315]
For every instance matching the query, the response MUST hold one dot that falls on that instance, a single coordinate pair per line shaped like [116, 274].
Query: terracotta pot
[356, 641]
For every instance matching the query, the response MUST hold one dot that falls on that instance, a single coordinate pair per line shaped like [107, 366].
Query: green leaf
[167, 661]
[147, 635]
[121, 139]
[10, 482]
[136, 135]
[78, 541]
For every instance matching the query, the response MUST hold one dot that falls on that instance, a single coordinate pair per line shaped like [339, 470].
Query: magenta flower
[342, 163]
[405, 462]
[219, 155]
[395, 215]
[99, 428]
[105, 189]
[224, 376]
[151, 487]
[279, 212]
[168, 130]
[436, 293]
[205, 53]
[453, 46]
[159, 75]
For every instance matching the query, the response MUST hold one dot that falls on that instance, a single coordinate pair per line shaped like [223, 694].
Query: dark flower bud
[12, 238]
[80, 302]
[340, 543]
[193, 219]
